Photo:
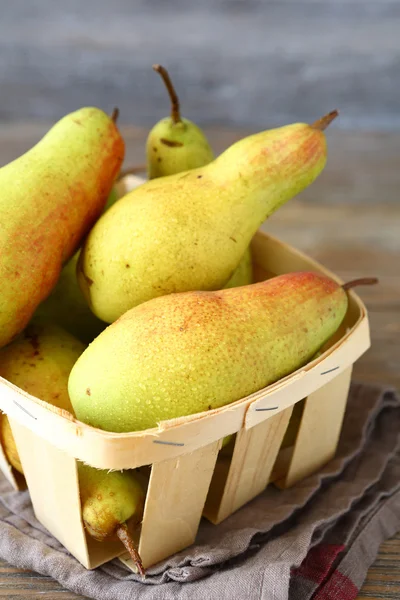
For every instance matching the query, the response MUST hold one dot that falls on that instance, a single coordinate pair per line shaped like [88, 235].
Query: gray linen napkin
[284, 545]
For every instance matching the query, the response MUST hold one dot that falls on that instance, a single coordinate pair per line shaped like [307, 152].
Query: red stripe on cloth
[318, 562]
[338, 587]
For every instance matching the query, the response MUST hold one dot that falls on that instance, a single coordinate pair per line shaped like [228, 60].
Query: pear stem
[324, 121]
[115, 114]
[175, 105]
[125, 537]
[131, 171]
[362, 281]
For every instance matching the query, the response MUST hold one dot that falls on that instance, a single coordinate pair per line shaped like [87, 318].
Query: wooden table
[350, 221]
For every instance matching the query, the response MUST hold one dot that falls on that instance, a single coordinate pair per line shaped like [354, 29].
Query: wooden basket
[189, 476]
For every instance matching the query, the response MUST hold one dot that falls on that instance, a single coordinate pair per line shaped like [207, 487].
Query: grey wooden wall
[234, 62]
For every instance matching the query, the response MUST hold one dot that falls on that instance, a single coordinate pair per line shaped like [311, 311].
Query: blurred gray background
[235, 63]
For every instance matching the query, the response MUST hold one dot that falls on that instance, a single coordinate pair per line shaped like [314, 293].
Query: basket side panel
[53, 486]
[274, 257]
[319, 430]
[253, 458]
[174, 503]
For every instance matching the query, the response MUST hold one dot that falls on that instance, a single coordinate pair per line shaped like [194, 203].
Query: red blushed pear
[49, 199]
[186, 353]
[190, 230]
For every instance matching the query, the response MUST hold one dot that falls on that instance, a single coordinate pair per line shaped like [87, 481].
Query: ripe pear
[8, 444]
[243, 274]
[175, 144]
[112, 198]
[39, 362]
[112, 501]
[50, 197]
[66, 306]
[191, 352]
[189, 231]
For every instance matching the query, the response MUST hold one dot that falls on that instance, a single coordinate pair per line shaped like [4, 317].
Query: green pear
[39, 361]
[175, 144]
[112, 198]
[66, 305]
[243, 274]
[50, 197]
[192, 352]
[111, 502]
[189, 231]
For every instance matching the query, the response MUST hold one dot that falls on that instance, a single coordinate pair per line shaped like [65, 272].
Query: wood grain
[19, 584]
[319, 430]
[350, 221]
[234, 62]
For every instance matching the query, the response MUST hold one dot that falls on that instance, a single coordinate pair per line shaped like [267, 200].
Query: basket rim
[28, 410]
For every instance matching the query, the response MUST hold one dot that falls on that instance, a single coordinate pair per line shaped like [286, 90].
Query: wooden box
[189, 476]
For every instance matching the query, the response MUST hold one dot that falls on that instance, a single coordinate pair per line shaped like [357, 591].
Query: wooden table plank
[20, 584]
[352, 227]
[383, 579]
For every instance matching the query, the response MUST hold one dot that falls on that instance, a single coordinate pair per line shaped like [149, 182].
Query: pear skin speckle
[181, 233]
[180, 354]
[50, 198]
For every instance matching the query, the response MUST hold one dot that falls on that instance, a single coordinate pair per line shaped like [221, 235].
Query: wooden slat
[54, 490]
[253, 458]
[54, 504]
[319, 429]
[175, 500]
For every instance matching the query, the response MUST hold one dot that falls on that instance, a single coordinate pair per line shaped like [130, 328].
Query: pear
[175, 144]
[50, 197]
[189, 231]
[243, 274]
[39, 362]
[112, 198]
[192, 352]
[111, 502]
[66, 306]
[8, 444]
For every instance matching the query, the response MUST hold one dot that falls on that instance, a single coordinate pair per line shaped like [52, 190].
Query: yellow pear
[190, 230]
[192, 352]
[49, 199]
